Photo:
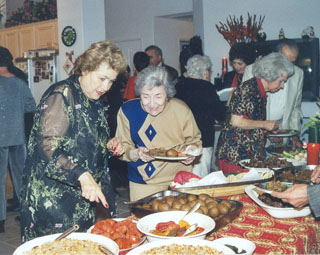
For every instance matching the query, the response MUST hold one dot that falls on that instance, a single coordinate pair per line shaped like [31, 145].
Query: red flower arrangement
[236, 31]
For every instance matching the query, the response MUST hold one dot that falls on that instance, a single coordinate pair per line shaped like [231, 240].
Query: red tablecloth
[272, 235]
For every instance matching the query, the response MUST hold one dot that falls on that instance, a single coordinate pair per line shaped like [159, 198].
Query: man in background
[155, 54]
[15, 100]
[285, 104]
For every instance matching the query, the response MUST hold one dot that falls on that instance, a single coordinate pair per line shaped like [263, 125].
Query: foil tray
[294, 169]
[221, 221]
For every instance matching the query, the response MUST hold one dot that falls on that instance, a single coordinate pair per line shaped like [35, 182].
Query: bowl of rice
[181, 246]
[75, 244]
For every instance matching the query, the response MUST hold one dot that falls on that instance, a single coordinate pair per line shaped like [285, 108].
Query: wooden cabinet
[11, 41]
[26, 39]
[33, 36]
[46, 34]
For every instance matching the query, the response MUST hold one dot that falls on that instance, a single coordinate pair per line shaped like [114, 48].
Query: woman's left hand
[115, 146]
[91, 190]
[190, 150]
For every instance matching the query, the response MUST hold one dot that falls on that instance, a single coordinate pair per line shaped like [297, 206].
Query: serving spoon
[67, 232]
[189, 230]
[192, 210]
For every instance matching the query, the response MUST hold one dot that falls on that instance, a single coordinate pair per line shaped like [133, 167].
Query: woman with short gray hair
[243, 135]
[271, 67]
[155, 76]
[153, 121]
[198, 66]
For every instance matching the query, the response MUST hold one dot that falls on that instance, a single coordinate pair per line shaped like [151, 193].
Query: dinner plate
[276, 211]
[170, 158]
[284, 133]
[27, 246]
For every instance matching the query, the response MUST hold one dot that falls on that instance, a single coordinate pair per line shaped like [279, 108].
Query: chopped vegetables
[171, 228]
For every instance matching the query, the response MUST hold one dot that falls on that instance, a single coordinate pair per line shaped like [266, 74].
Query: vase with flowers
[235, 30]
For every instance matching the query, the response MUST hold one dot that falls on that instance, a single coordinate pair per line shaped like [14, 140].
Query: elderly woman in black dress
[66, 169]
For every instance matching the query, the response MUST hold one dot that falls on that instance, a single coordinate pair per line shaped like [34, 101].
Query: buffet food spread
[243, 217]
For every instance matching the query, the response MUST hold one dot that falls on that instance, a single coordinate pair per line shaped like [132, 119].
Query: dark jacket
[172, 72]
[202, 98]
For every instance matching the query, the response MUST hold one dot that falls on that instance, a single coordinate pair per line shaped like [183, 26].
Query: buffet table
[272, 235]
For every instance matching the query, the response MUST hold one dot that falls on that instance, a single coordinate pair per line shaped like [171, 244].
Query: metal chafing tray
[220, 221]
[294, 170]
[226, 189]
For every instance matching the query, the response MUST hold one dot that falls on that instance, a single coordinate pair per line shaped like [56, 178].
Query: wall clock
[68, 36]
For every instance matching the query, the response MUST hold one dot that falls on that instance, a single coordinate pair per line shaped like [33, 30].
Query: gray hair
[272, 66]
[156, 49]
[198, 65]
[153, 76]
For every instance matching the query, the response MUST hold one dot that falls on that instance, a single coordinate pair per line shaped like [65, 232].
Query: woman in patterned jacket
[66, 168]
[243, 134]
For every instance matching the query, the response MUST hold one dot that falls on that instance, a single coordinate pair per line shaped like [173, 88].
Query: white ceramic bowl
[275, 211]
[240, 243]
[182, 240]
[124, 251]
[149, 222]
[27, 246]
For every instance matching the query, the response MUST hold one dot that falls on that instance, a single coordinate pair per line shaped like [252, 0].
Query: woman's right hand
[271, 125]
[91, 190]
[142, 154]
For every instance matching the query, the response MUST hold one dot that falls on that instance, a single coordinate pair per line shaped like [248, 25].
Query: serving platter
[139, 212]
[102, 240]
[181, 241]
[275, 211]
[266, 169]
[283, 133]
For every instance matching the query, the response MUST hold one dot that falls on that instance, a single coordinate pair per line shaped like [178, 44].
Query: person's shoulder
[298, 70]
[131, 105]
[178, 104]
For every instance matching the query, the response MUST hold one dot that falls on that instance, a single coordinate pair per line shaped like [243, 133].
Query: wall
[87, 18]
[292, 15]
[132, 24]
[168, 34]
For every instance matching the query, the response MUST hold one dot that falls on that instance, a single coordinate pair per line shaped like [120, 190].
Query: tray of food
[235, 185]
[223, 211]
[283, 133]
[297, 174]
[273, 162]
[278, 149]
[274, 206]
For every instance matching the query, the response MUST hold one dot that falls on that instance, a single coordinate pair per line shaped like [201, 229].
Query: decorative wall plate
[68, 36]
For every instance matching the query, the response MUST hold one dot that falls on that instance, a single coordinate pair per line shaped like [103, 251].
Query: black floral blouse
[234, 144]
[68, 138]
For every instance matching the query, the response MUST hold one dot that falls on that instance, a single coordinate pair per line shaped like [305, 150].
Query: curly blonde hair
[97, 53]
